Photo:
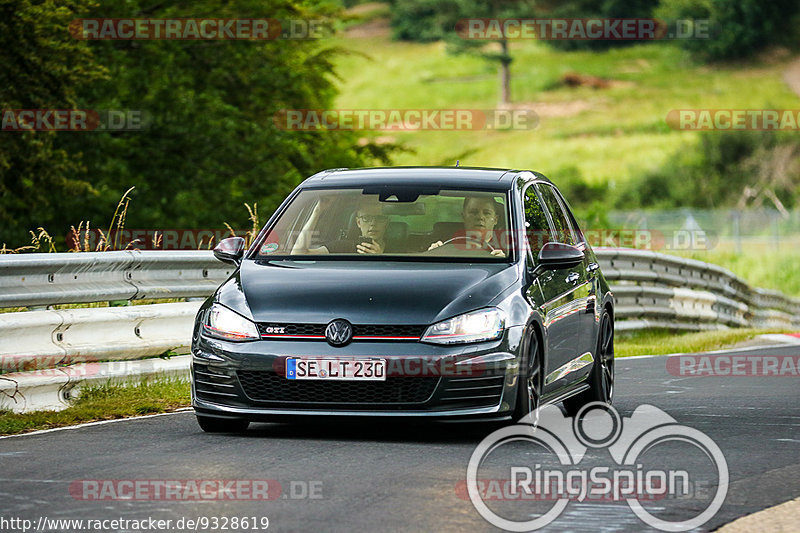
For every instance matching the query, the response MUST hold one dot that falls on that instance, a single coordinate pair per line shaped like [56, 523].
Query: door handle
[591, 267]
[572, 278]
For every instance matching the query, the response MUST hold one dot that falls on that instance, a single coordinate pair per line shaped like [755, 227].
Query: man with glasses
[371, 222]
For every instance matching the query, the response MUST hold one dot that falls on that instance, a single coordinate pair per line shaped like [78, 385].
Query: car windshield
[398, 223]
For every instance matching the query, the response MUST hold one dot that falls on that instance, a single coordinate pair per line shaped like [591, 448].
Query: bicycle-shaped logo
[561, 477]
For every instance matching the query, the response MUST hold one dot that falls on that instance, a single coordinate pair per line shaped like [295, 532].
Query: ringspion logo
[548, 460]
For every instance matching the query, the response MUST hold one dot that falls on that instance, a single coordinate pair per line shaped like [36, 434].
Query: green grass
[766, 267]
[104, 402]
[661, 342]
[616, 132]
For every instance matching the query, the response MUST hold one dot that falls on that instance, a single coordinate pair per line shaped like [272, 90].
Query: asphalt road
[368, 476]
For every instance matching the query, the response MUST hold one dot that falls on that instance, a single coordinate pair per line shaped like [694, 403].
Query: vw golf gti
[457, 293]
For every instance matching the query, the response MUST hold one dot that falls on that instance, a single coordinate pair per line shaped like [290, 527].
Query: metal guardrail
[28, 280]
[651, 290]
[659, 290]
[34, 340]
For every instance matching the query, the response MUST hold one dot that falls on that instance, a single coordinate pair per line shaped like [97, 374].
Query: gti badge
[339, 332]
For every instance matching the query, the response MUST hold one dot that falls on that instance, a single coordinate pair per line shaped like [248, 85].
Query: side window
[563, 230]
[576, 229]
[537, 228]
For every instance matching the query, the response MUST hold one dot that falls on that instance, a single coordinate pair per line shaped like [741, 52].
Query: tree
[740, 28]
[432, 19]
[43, 68]
[208, 144]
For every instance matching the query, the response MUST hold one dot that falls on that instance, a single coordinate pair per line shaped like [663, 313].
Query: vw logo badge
[339, 332]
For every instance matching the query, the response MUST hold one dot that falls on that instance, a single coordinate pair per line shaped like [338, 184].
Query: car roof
[444, 177]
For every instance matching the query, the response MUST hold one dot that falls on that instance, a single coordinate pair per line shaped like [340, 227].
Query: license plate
[337, 369]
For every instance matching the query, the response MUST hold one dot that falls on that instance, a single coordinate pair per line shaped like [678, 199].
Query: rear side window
[561, 226]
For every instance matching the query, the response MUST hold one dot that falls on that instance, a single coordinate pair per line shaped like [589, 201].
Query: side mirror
[556, 255]
[230, 250]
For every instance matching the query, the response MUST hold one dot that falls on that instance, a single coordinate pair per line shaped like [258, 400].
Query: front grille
[293, 329]
[372, 331]
[213, 384]
[267, 386]
[387, 331]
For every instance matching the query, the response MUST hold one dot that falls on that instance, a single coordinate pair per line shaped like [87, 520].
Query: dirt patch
[792, 76]
[376, 28]
[381, 139]
[366, 8]
[574, 80]
[635, 67]
[774, 55]
[554, 109]
[371, 21]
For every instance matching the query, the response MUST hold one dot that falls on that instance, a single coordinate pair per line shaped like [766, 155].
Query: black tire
[529, 388]
[222, 425]
[601, 378]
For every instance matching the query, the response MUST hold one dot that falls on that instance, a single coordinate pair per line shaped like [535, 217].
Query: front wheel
[529, 388]
[222, 425]
[601, 378]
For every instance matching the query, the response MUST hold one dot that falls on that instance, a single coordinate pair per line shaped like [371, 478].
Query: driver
[371, 222]
[480, 218]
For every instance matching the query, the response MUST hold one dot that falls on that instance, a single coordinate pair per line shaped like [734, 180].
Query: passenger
[480, 216]
[371, 222]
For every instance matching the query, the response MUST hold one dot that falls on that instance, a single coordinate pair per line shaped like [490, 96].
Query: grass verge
[663, 341]
[767, 267]
[105, 402]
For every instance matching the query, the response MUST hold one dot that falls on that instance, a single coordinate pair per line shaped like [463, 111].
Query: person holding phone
[370, 220]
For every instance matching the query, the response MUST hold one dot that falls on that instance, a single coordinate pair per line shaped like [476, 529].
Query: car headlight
[477, 326]
[225, 324]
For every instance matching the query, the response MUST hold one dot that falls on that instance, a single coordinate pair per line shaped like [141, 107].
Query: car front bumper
[246, 380]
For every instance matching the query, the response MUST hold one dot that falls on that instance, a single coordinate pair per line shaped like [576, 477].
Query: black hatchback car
[459, 293]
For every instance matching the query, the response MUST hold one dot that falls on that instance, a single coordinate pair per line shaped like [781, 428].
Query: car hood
[363, 292]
